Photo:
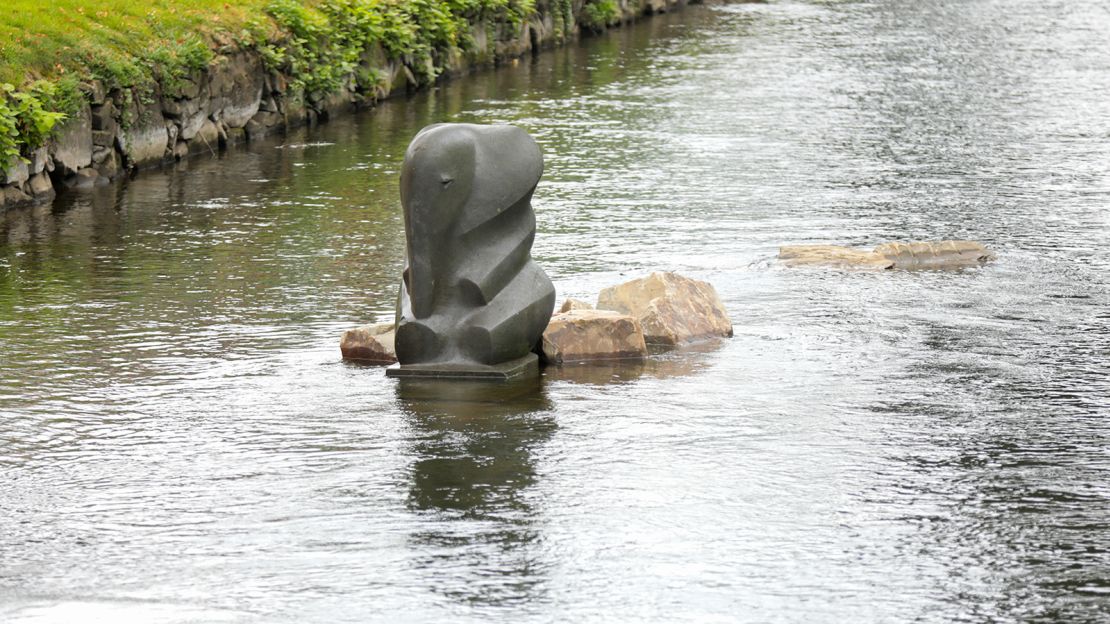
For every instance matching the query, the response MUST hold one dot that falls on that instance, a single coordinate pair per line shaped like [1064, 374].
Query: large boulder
[672, 309]
[369, 343]
[585, 335]
[951, 254]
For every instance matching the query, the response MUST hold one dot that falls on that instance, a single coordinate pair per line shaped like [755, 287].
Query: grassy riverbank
[51, 52]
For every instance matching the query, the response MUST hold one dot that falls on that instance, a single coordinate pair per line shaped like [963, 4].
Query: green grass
[49, 49]
[65, 37]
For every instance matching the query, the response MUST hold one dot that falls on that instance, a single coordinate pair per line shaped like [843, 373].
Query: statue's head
[455, 178]
[437, 174]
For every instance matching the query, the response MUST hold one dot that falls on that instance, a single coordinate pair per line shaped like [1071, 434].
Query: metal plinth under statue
[473, 303]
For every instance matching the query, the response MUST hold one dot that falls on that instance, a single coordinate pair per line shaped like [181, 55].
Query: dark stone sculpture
[473, 303]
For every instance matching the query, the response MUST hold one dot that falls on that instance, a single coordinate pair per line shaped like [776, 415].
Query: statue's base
[527, 366]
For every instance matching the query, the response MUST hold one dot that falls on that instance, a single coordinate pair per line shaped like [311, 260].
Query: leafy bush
[26, 119]
[598, 14]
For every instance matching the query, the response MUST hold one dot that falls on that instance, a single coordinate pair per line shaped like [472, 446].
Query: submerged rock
[935, 255]
[672, 309]
[586, 335]
[918, 255]
[832, 256]
[369, 343]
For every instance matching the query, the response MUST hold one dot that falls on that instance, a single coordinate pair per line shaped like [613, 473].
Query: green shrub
[26, 119]
[597, 14]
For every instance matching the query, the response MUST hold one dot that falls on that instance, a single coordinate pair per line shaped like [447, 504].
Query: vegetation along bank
[93, 91]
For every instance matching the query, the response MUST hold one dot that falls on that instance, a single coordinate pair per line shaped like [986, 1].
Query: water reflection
[169, 379]
[474, 446]
[662, 364]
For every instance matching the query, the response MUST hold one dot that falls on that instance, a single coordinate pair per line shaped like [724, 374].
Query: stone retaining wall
[235, 99]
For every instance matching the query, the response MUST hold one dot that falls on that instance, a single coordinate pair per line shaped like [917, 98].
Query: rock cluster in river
[237, 99]
[678, 310]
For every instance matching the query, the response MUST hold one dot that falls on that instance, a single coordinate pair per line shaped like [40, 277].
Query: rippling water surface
[180, 441]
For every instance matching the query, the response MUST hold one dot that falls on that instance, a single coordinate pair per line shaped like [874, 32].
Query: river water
[180, 441]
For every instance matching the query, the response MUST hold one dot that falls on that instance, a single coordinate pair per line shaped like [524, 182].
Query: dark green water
[180, 442]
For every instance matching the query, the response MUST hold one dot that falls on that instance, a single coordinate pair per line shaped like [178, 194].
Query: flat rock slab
[372, 344]
[951, 254]
[935, 255]
[833, 256]
[587, 335]
[672, 309]
[519, 368]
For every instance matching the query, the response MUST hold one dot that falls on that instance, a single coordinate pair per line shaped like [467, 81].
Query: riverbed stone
[585, 335]
[575, 304]
[671, 308]
[370, 343]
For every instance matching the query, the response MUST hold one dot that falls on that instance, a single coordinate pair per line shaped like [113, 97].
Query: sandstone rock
[72, 146]
[935, 255]
[369, 343]
[575, 304]
[832, 256]
[180, 150]
[918, 255]
[671, 308]
[584, 335]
